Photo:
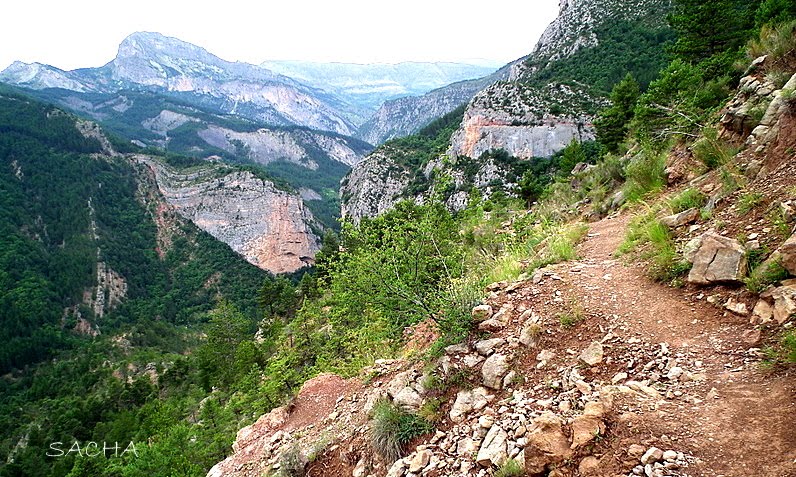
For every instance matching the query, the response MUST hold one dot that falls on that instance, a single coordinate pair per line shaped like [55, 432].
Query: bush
[652, 241]
[393, 428]
[711, 151]
[776, 41]
[688, 199]
[764, 275]
[645, 174]
[511, 468]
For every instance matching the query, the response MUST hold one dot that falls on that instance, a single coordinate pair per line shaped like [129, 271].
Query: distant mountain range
[336, 97]
[368, 86]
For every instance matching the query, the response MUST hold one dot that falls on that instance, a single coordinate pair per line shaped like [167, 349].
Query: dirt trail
[740, 421]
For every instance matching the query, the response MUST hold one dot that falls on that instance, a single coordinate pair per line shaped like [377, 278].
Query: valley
[580, 263]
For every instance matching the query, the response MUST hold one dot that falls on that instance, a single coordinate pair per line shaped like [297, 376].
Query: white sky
[84, 33]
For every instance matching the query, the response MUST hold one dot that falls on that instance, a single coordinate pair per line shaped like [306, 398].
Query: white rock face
[267, 226]
[373, 187]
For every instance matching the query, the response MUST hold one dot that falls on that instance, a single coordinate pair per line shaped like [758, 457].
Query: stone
[461, 406]
[618, 378]
[670, 456]
[420, 460]
[510, 379]
[495, 367]
[788, 253]
[590, 465]
[718, 259]
[487, 347]
[472, 360]
[493, 451]
[683, 218]
[359, 469]
[784, 301]
[763, 312]
[595, 408]
[586, 428]
[736, 307]
[674, 373]
[408, 399]
[652, 455]
[530, 334]
[396, 469]
[491, 325]
[547, 443]
[457, 349]
[593, 354]
[481, 313]
[545, 355]
[466, 447]
[635, 451]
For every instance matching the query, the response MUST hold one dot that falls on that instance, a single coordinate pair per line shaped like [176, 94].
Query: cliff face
[404, 116]
[531, 108]
[269, 227]
[524, 120]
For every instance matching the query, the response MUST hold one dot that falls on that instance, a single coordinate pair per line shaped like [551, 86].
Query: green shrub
[711, 151]
[645, 174]
[652, 241]
[764, 275]
[776, 41]
[688, 199]
[393, 428]
[511, 468]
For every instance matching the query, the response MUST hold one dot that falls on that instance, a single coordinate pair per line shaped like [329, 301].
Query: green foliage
[764, 275]
[651, 241]
[644, 175]
[612, 123]
[777, 40]
[712, 151]
[749, 201]
[511, 468]
[709, 29]
[623, 47]
[772, 12]
[689, 198]
[393, 428]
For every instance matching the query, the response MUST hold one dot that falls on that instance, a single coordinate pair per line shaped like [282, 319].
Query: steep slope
[404, 116]
[589, 47]
[170, 66]
[88, 239]
[269, 227]
[369, 85]
[531, 110]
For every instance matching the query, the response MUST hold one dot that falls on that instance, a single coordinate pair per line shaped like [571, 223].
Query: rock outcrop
[271, 228]
[716, 259]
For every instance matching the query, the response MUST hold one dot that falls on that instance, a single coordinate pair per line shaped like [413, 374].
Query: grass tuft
[393, 428]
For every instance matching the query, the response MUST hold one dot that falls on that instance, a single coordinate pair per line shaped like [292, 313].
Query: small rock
[493, 451]
[618, 378]
[635, 451]
[420, 460]
[717, 259]
[487, 347]
[736, 307]
[670, 456]
[481, 313]
[652, 455]
[593, 354]
[590, 465]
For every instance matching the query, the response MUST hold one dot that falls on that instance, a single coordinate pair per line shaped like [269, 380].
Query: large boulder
[494, 369]
[547, 443]
[717, 259]
[493, 451]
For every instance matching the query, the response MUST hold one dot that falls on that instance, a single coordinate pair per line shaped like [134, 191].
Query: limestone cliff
[532, 108]
[271, 228]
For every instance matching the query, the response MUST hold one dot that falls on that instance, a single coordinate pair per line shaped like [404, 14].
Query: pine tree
[706, 29]
[612, 124]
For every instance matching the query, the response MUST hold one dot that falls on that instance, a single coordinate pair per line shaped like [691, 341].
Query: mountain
[529, 110]
[153, 62]
[404, 116]
[369, 85]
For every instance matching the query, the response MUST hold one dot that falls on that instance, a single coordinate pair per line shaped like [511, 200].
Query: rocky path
[737, 419]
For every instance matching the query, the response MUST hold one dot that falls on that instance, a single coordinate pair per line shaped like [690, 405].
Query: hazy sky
[81, 33]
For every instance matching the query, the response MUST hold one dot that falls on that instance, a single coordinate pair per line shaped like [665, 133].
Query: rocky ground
[586, 368]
